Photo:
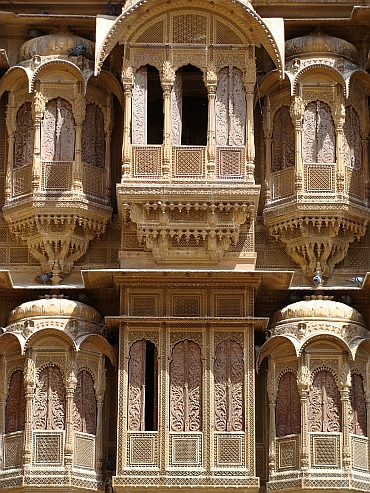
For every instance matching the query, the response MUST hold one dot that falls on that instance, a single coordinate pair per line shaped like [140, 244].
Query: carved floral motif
[24, 138]
[58, 132]
[228, 374]
[288, 406]
[84, 404]
[352, 148]
[283, 148]
[93, 138]
[49, 401]
[176, 109]
[318, 134]
[139, 107]
[136, 393]
[15, 404]
[185, 387]
[357, 408]
[324, 413]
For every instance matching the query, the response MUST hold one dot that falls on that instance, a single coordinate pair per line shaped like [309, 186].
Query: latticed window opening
[58, 131]
[324, 413]
[357, 412]
[288, 406]
[49, 400]
[283, 149]
[186, 387]
[25, 136]
[318, 134]
[143, 387]
[84, 404]
[229, 386]
[15, 404]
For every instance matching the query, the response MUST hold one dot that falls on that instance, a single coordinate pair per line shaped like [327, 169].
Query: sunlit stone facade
[184, 246]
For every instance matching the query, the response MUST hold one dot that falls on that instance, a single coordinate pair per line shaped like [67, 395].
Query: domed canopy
[318, 42]
[59, 43]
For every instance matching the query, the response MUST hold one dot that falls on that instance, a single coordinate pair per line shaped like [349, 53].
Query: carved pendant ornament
[49, 401]
[324, 413]
[186, 387]
[228, 374]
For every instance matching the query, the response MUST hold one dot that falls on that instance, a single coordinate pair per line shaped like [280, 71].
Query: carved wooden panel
[352, 147]
[84, 404]
[283, 148]
[58, 132]
[24, 138]
[93, 139]
[318, 134]
[357, 408]
[288, 406]
[228, 375]
[49, 401]
[139, 106]
[176, 109]
[230, 108]
[15, 404]
[324, 412]
[185, 387]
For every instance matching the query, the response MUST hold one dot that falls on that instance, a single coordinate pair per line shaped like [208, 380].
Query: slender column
[271, 391]
[167, 82]
[39, 103]
[296, 113]
[344, 397]
[127, 81]
[2, 410]
[303, 381]
[211, 84]
[339, 119]
[267, 131]
[77, 178]
[250, 133]
[70, 383]
[99, 418]
[108, 125]
[29, 389]
[365, 164]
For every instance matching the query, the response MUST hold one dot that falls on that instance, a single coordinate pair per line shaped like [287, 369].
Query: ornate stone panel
[139, 106]
[352, 147]
[228, 374]
[136, 393]
[84, 404]
[176, 109]
[49, 401]
[48, 448]
[357, 407]
[25, 136]
[325, 451]
[12, 450]
[288, 406]
[324, 414]
[93, 139]
[186, 387]
[58, 131]
[84, 453]
[283, 146]
[15, 404]
[318, 134]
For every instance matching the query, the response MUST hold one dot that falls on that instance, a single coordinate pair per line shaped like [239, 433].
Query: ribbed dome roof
[317, 308]
[55, 307]
[318, 42]
[59, 43]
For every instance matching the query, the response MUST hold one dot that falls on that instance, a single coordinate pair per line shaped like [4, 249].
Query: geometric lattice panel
[319, 178]
[229, 306]
[188, 162]
[84, 455]
[186, 305]
[287, 453]
[142, 450]
[229, 450]
[13, 450]
[48, 448]
[186, 450]
[230, 163]
[57, 175]
[144, 305]
[325, 451]
[360, 453]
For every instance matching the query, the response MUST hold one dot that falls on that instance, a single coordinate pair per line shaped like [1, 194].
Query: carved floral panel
[230, 108]
[15, 404]
[24, 137]
[324, 407]
[93, 139]
[84, 404]
[176, 109]
[357, 408]
[139, 106]
[49, 400]
[352, 147]
[58, 131]
[283, 148]
[228, 374]
[288, 406]
[185, 387]
[136, 393]
[318, 134]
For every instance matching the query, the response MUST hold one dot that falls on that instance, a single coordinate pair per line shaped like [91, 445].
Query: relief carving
[357, 407]
[24, 137]
[229, 381]
[324, 413]
[84, 404]
[139, 107]
[318, 134]
[288, 406]
[352, 147]
[93, 138]
[136, 392]
[283, 146]
[49, 401]
[15, 404]
[176, 109]
[58, 132]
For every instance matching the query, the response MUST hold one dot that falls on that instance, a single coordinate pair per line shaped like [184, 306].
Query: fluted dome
[59, 43]
[318, 42]
[317, 308]
[55, 307]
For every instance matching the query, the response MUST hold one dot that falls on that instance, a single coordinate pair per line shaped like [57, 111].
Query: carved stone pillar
[99, 418]
[39, 102]
[271, 391]
[344, 397]
[11, 124]
[296, 113]
[29, 389]
[167, 81]
[303, 381]
[267, 132]
[365, 164]
[211, 84]
[70, 383]
[339, 119]
[249, 89]
[128, 81]
[79, 113]
[2, 409]
[108, 125]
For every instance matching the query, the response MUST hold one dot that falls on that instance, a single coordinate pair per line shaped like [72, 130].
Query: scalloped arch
[54, 65]
[54, 333]
[102, 344]
[13, 78]
[319, 68]
[327, 335]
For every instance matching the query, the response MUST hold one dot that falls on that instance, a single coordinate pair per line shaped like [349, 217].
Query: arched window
[25, 136]
[283, 147]
[352, 147]
[49, 401]
[93, 138]
[147, 107]
[186, 387]
[58, 131]
[229, 382]
[15, 404]
[288, 406]
[318, 134]
[84, 404]
[189, 108]
[324, 413]
[357, 411]
[230, 108]
[143, 392]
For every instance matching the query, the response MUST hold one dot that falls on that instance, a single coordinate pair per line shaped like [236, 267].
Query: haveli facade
[184, 246]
